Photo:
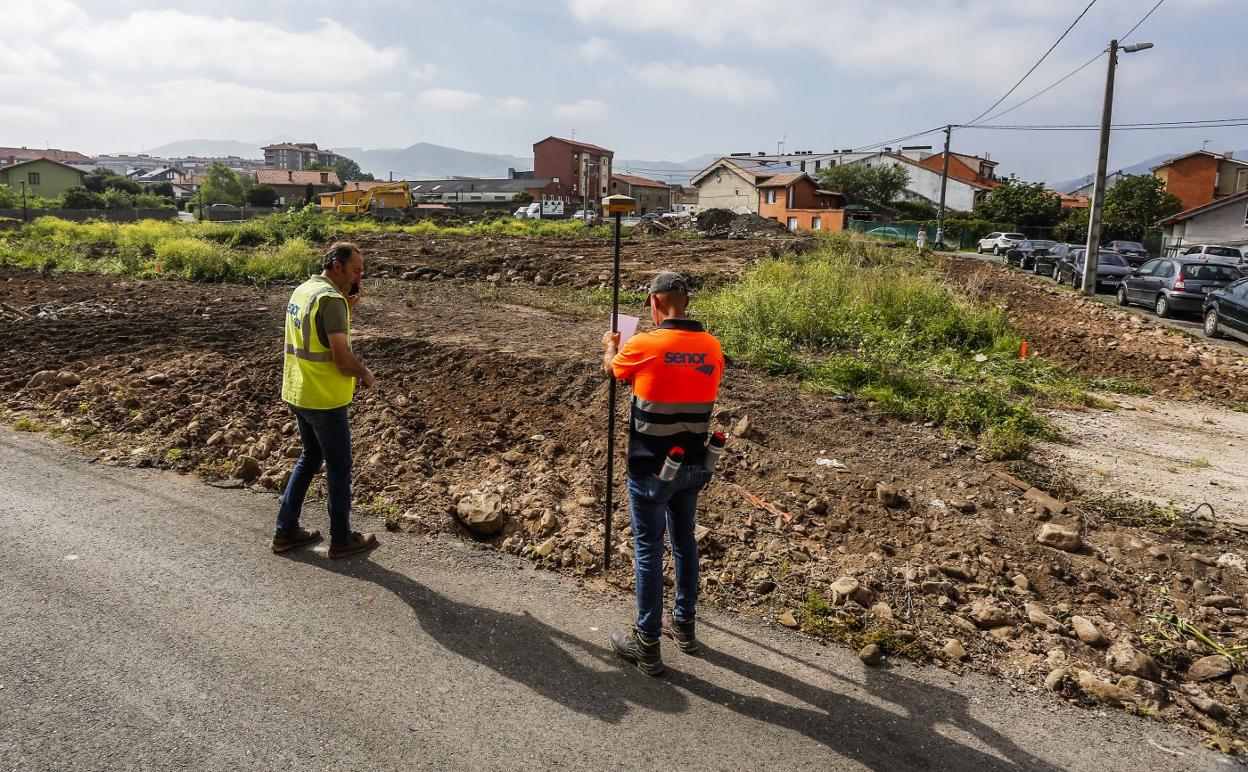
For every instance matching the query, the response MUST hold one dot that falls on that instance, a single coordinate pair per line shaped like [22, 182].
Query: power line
[1037, 64]
[1077, 70]
[1116, 127]
[895, 140]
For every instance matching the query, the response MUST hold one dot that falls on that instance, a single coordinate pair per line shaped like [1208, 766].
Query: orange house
[1201, 177]
[797, 202]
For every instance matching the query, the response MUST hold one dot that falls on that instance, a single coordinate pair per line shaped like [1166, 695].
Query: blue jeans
[326, 437]
[658, 505]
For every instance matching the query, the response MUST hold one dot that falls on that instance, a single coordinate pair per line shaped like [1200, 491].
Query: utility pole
[23, 200]
[1091, 257]
[944, 183]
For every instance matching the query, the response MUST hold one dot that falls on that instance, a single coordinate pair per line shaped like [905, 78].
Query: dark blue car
[1226, 311]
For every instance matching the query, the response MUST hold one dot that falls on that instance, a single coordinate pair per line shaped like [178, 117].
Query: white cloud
[583, 110]
[713, 82]
[508, 106]
[449, 99]
[24, 19]
[180, 43]
[984, 44]
[595, 50]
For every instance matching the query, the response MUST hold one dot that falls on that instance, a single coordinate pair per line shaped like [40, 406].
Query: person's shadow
[518, 646]
[530, 652]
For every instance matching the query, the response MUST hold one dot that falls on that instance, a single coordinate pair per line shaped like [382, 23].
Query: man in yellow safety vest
[318, 382]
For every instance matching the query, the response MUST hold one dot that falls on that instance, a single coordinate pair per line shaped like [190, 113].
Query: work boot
[358, 542]
[632, 647]
[681, 633]
[288, 540]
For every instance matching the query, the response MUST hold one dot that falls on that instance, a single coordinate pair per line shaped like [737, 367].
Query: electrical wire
[1116, 127]
[894, 141]
[1077, 70]
[1037, 64]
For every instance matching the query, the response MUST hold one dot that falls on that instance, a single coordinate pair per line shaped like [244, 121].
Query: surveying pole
[944, 183]
[1091, 257]
[617, 205]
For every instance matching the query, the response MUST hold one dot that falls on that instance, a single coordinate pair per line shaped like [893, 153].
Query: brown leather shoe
[359, 542]
[288, 540]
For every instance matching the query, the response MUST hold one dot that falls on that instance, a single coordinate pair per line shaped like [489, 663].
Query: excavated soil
[491, 393]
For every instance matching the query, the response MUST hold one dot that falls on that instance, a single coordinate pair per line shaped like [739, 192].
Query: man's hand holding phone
[353, 296]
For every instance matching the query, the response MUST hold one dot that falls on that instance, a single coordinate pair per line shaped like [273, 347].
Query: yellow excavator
[391, 201]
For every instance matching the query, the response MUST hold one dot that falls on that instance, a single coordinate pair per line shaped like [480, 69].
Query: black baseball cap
[667, 281]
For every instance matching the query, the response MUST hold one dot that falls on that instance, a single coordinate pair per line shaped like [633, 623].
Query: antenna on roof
[1205, 144]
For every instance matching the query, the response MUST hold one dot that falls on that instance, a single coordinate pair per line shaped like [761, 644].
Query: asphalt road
[1192, 324]
[145, 625]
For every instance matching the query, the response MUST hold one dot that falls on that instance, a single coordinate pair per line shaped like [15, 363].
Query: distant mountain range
[1143, 167]
[425, 160]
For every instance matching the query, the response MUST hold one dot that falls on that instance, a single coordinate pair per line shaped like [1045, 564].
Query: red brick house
[797, 202]
[580, 172]
[291, 184]
[1201, 177]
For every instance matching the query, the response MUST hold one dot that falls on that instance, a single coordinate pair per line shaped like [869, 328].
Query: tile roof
[30, 154]
[36, 160]
[363, 184]
[640, 182]
[295, 177]
[1189, 213]
[782, 180]
[573, 142]
[292, 146]
[1215, 156]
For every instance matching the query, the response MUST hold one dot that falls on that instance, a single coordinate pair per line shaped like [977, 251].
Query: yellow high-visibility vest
[310, 379]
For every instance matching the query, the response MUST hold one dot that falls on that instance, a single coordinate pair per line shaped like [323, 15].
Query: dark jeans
[326, 436]
[658, 505]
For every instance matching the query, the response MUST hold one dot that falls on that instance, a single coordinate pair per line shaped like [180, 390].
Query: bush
[294, 259]
[193, 259]
[854, 317]
[80, 198]
[262, 195]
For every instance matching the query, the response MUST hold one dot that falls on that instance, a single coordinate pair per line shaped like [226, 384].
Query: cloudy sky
[657, 79]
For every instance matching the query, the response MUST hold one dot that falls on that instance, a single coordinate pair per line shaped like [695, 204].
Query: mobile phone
[355, 289]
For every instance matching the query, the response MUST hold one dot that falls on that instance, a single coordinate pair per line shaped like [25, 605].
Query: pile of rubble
[715, 224]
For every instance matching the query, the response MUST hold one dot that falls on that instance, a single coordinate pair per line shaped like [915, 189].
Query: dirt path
[1167, 451]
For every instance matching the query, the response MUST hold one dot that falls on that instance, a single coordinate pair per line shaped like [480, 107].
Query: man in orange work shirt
[675, 373]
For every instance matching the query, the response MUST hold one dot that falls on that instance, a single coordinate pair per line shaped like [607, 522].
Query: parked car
[1216, 252]
[1170, 284]
[886, 232]
[1133, 251]
[1043, 264]
[998, 241]
[1111, 269]
[1023, 254]
[1226, 311]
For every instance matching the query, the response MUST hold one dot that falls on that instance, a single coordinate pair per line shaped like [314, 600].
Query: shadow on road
[530, 652]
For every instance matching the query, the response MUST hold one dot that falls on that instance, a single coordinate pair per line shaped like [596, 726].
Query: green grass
[855, 318]
[263, 249]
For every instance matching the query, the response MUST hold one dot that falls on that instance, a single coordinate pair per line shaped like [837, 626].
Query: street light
[23, 200]
[1092, 254]
[617, 205]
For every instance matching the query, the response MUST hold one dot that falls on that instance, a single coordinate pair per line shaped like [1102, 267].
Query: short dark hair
[338, 252]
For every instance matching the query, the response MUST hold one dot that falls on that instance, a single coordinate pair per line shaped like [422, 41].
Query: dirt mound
[827, 515]
[1103, 342]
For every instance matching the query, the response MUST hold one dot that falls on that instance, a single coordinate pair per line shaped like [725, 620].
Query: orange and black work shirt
[675, 373]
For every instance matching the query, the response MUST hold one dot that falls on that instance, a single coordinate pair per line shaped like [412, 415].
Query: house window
[803, 166]
[475, 197]
[792, 223]
[771, 196]
[817, 165]
[736, 191]
[32, 178]
[1246, 217]
[816, 223]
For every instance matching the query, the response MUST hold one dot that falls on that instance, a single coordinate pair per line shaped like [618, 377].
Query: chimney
[12, 160]
[290, 175]
[511, 172]
[1229, 154]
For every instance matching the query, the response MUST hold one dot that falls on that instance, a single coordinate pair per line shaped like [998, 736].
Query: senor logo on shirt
[696, 359]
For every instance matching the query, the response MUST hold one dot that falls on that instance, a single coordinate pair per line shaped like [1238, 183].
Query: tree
[523, 197]
[348, 169]
[309, 193]
[10, 198]
[1140, 200]
[915, 210]
[1022, 203]
[94, 179]
[315, 166]
[860, 182]
[262, 195]
[163, 189]
[117, 182]
[220, 186]
[79, 197]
